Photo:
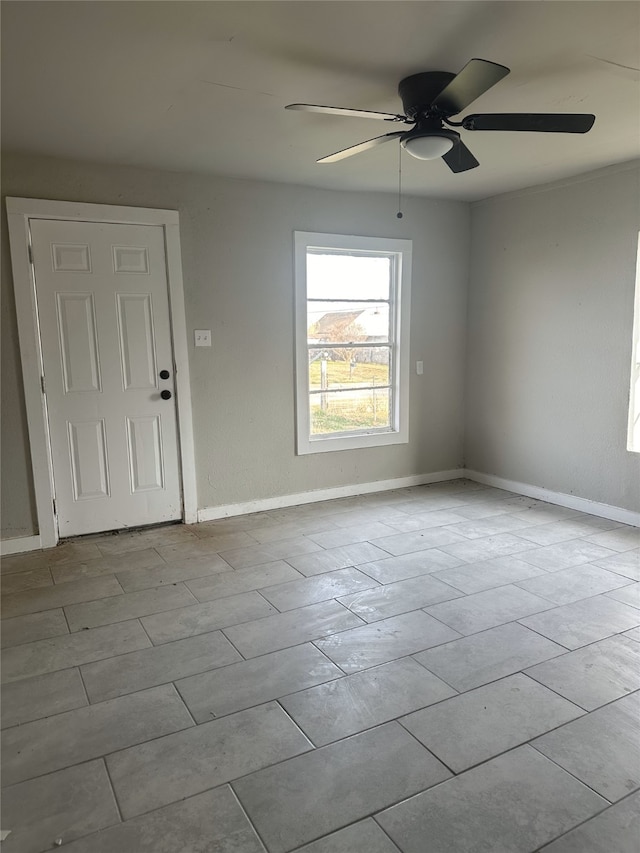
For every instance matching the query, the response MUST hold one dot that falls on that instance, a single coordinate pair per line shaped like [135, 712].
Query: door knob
[166, 395]
[164, 374]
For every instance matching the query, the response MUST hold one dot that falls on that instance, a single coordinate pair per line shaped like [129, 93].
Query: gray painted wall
[549, 343]
[238, 272]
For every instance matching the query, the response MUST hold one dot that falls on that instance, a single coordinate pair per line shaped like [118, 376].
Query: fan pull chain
[399, 213]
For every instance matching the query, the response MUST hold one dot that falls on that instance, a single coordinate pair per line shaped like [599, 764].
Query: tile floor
[441, 668]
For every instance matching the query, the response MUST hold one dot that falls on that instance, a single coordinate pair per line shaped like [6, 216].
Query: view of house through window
[352, 346]
[350, 341]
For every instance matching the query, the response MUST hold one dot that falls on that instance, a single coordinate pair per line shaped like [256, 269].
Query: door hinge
[30, 247]
[42, 385]
[55, 508]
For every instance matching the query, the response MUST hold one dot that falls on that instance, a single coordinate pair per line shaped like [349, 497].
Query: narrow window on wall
[633, 433]
[352, 341]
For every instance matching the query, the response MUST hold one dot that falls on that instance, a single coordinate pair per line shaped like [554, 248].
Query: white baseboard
[211, 513]
[615, 513]
[624, 516]
[19, 545]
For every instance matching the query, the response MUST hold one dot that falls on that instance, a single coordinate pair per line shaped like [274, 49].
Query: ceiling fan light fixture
[427, 146]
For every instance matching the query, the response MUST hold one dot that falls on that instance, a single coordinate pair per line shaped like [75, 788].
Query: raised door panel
[78, 342]
[137, 341]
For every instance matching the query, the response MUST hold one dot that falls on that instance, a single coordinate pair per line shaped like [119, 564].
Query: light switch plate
[419, 367]
[202, 337]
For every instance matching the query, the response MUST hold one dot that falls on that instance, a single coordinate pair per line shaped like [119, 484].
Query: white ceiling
[201, 86]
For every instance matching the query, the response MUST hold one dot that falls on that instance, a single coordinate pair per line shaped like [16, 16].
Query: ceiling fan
[430, 99]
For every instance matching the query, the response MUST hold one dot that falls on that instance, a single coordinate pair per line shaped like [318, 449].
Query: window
[352, 341]
[633, 433]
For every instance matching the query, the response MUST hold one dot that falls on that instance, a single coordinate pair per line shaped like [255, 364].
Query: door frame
[19, 212]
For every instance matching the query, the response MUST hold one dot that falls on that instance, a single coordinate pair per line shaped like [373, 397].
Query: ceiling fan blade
[342, 111]
[460, 159]
[476, 77]
[362, 146]
[537, 122]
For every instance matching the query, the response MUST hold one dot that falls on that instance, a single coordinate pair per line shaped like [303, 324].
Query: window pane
[337, 276]
[342, 411]
[348, 367]
[341, 322]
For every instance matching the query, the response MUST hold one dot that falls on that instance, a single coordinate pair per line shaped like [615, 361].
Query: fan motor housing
[419, 91]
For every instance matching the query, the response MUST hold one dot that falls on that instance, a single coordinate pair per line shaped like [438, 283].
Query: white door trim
[19, 212]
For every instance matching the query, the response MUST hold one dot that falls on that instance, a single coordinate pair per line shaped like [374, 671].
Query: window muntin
[352, 349]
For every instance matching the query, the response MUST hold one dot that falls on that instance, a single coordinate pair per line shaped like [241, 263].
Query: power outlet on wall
[202, 337]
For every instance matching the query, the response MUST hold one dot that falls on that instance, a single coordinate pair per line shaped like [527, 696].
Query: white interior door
[106, 342]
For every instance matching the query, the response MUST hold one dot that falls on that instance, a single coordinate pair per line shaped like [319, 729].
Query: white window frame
[633, 444]
[398, 433]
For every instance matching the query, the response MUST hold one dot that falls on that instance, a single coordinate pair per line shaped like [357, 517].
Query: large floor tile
[118, 676]
[42, 696]
[594, 675]
[506, 523]
[63, 553]
[602, 748]
[487, 574]
[564, 530]
[488, 656]
[208, 616]
[133, 580]
[336, 558]
[290, 628]
[66, 804]
[26, 580]
[33, 627]
[629, 594]
[119, 608]
[633, 634]
[483, 610]
[357, 702]
[196, 547]
[60, 595]
[484, 722]
[243, 580]
[212, 822]
[366, 514]
[350, 535]
[627, 563]
[424, 520]
[336, 785]
[363, 836]
[583, 622]
[171, 768]
[393, 569]
[617, 828]
[75, 736]
[71, 650]
[380, 642]
[288, 596]
[567, 585]
[501, 545]
[107, 565]
[564, 555]
[400, 597]
[274, 531]
[419, 540]
[512, 804]
[255, 555]
[253, 682]
[122, 543]
[71, 552]
[621, 539]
